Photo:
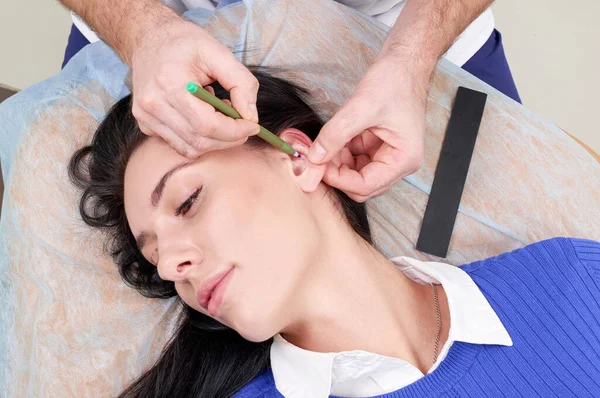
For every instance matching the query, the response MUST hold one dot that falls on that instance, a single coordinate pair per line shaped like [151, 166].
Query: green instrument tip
[191, 87]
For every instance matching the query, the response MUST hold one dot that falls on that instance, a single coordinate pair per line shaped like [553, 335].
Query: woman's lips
[216, 298]
[210, 294]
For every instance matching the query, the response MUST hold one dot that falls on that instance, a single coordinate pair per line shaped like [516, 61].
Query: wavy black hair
[204, 358]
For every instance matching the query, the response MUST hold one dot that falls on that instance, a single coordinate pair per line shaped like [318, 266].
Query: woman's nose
[177, 262]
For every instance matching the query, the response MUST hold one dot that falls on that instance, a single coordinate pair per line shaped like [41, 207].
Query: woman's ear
[308, 175]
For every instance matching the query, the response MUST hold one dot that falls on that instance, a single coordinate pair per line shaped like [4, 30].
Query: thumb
[349, 121]
[240, 82]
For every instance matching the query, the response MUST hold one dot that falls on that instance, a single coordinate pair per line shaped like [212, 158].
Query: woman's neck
[354, 298]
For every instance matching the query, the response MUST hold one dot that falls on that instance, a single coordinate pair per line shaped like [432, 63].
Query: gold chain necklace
[439, 324]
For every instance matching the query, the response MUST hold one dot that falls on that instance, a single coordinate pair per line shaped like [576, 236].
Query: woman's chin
[253, 328]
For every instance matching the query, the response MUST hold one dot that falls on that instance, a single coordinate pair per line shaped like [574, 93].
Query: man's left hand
[377, 137]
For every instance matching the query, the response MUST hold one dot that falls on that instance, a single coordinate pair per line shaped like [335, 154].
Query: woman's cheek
[231, 229]
[186, 294]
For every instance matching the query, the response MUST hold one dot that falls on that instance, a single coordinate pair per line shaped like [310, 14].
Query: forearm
[122, 24]
[427, 28]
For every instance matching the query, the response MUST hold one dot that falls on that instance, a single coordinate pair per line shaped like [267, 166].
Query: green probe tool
[200, 92]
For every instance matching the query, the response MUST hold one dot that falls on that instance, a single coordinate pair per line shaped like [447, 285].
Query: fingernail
[316, 153]
[253, 113]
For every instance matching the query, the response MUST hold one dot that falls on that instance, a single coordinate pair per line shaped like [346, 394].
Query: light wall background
[553, 48]
[551, 45]
[33, 34]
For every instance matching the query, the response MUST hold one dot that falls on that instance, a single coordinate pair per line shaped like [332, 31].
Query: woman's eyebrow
[157, 195]
[160, 187]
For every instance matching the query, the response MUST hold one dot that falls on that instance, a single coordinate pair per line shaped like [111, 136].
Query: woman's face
[232, 213]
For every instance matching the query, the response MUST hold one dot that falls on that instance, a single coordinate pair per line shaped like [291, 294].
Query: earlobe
[308, 175]
[312, 175]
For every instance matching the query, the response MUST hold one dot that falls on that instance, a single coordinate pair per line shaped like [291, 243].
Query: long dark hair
[204, 358]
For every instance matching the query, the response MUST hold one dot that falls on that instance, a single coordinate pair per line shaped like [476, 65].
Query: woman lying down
[284, 293]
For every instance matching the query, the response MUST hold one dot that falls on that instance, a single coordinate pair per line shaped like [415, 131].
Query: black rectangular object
[451, 172]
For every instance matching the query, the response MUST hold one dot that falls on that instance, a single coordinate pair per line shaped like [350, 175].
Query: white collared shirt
[301, 373]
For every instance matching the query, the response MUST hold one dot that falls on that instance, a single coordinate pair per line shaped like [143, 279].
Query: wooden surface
[587, 148]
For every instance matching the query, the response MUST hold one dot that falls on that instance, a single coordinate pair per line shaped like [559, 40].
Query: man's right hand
[172, 55]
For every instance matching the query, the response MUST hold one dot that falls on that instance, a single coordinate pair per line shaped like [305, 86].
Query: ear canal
[299, 164]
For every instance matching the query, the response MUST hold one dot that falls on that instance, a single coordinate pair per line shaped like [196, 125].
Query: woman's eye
[187, 205]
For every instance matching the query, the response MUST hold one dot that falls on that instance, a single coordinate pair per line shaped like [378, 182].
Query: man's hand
[162, 64]
[165, 52]
[376, 137]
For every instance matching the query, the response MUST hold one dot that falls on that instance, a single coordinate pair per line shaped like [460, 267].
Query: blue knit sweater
[548, 298]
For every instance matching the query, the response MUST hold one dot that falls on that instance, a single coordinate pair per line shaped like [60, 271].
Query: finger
[240, 82]
[210, 89]
[356, 145]
[371, 179]
[142, 118]
[338, 178]
[346, 158]
[361, 161]
[362, 199]
[169, 116]
[357, 198]
[174, 140]
[338, 159]
[379, 192]
[206, 145]
[352, 119]
[201, 144]
[216, 145]
[145, 129]
[365, 143]
[225, 130]
[385, 169]
[209, 123]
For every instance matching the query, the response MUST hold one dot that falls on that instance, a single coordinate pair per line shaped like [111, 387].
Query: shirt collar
[298, 372]
[303, 373]
[472, 319]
